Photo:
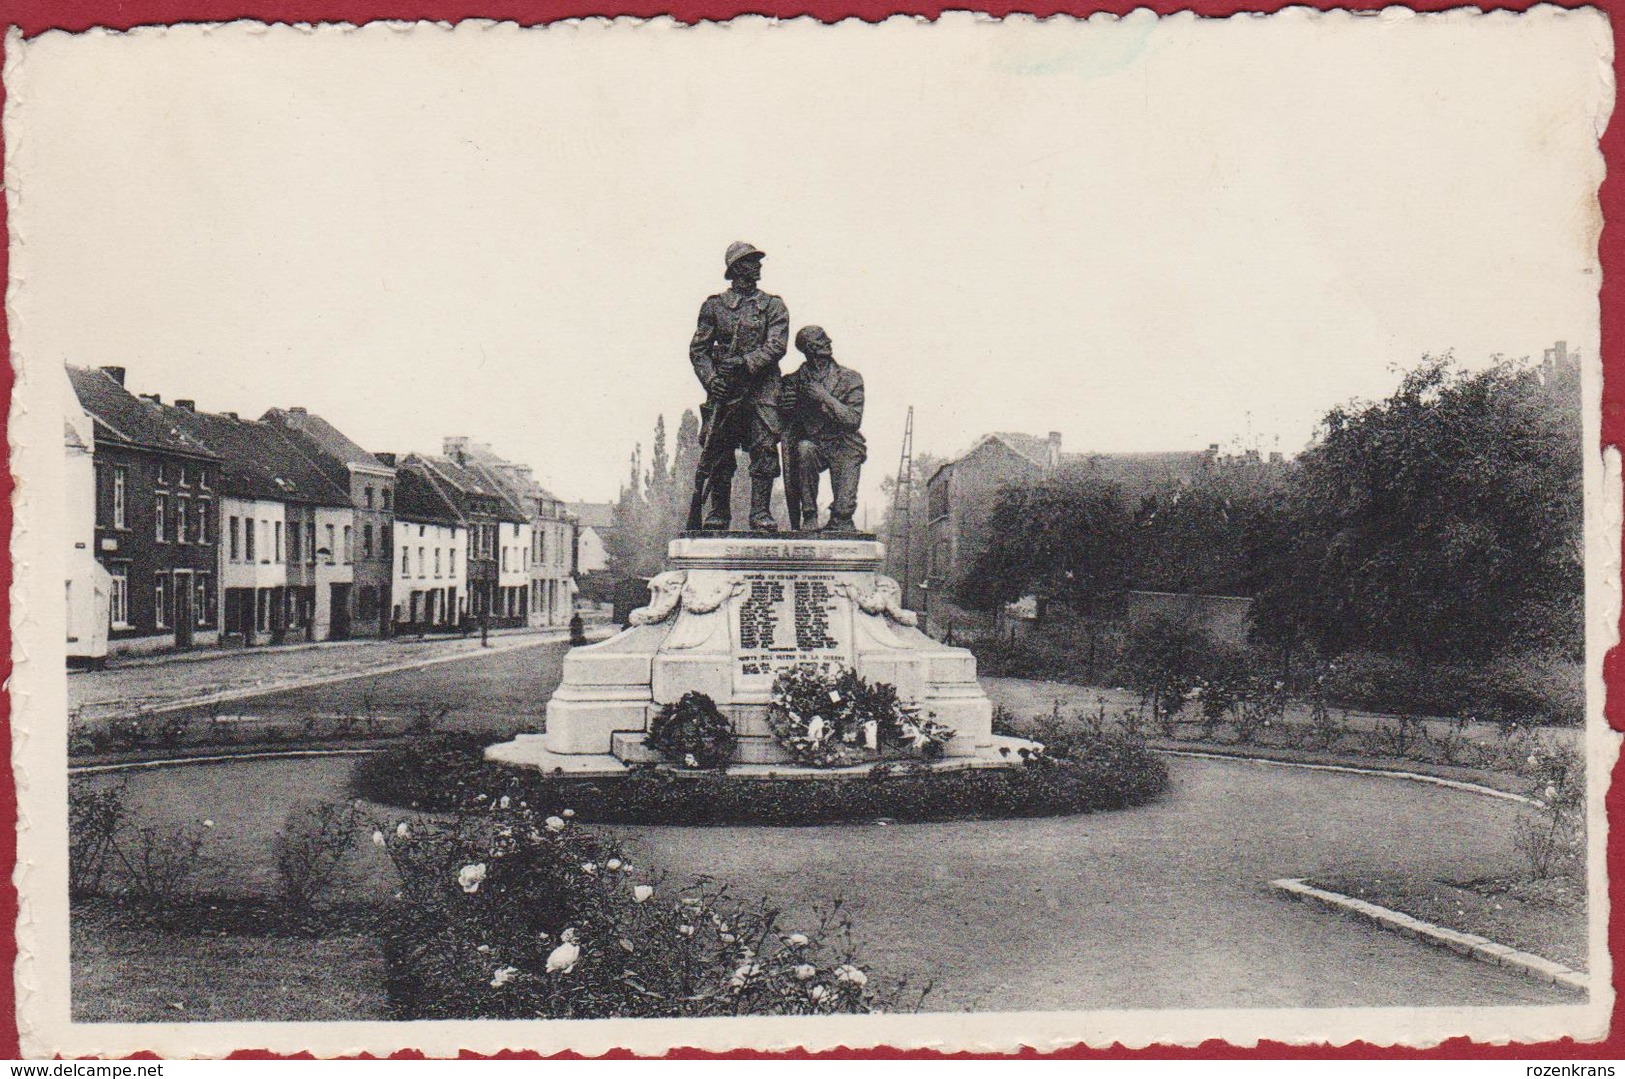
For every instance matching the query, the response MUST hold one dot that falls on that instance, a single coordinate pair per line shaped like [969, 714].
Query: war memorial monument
[734, 610]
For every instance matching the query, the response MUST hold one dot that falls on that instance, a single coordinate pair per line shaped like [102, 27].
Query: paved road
[503, 688]
[1160, 907]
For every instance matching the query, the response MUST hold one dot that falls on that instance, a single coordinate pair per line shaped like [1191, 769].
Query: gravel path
[1166, 906]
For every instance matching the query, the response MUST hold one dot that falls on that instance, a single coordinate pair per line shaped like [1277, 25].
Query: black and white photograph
[958, 534]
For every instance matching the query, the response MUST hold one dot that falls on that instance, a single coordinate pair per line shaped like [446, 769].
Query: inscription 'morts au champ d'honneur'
[790, 618]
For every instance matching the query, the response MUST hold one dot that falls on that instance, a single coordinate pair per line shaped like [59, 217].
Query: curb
[1468, 944]
[1391, 773]
[217, 758]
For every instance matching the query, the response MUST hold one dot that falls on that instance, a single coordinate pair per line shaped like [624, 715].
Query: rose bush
[499, 916]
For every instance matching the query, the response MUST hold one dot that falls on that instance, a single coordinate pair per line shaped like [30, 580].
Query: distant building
[961, 494]
[594, 523]
[87, 582]
[431, 550]
[544, 568]
[362, 538]
[276, 504]
[498, 536]
[156, 518]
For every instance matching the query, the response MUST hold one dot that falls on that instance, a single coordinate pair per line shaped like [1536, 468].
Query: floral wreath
[834, 719]
[692, 732]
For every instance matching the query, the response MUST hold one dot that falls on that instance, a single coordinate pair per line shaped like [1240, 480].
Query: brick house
[497, 525]
[156, 518]
[361, 538]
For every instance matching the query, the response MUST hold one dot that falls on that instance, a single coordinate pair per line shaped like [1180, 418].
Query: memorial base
[731, 612]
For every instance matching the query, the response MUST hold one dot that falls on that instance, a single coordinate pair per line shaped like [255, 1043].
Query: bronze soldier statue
[742, 335]
[822, 405]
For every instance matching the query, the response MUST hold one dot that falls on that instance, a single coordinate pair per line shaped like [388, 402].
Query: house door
[185, 617]
[340, 630]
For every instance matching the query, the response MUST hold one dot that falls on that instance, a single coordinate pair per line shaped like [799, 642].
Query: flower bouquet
[836, 719]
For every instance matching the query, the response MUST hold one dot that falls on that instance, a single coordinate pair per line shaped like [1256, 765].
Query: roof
[258, 460]
[419, 497]
[462, 480]
[1139, 472]
[324, 443]
[124, 419]
[1033, 450]
[598, 515]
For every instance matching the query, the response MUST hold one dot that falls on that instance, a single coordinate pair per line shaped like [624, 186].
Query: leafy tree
[1062, 539]
[1444, 522]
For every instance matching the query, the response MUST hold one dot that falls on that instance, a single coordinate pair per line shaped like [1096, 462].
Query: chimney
[114, 373]
[1275, 457]
[455, 447]
[386, 458]
[1054, 457]
[233, 415]
[190, 406]
[297, 410]
[154, 398]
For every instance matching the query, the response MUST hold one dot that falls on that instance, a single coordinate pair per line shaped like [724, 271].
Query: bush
[1514, 689]
[692, 731]
[96, 820]
[508, 914]
[1097, 773]
[309, 851]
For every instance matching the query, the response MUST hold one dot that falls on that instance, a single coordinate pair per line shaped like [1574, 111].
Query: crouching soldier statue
[742, 335]
[821, 404]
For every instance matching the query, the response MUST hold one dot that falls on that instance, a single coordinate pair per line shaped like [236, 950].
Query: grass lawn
[125, 973]
[1547, 918]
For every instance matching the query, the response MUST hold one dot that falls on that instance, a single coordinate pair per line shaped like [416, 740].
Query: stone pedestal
[731, 611]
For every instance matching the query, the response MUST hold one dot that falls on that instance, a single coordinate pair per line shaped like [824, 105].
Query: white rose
[563, 959]
[555, 824]
[503, 976]
[642, 892]
[470, 877]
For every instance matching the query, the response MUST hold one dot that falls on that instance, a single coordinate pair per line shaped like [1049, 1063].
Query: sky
[1145, 234]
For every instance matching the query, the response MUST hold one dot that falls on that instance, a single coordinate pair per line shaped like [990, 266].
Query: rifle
[713, 414]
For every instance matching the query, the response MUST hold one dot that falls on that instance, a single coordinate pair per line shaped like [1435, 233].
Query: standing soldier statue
[823, 409]
[742, 335]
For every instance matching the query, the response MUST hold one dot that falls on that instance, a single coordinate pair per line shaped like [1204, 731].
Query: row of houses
[194, 528]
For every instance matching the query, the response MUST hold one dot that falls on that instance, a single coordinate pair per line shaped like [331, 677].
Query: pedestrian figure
[578, 629]
[742, 335]
[822, 408]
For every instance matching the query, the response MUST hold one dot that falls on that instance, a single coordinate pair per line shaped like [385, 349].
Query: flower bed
[1085, 775]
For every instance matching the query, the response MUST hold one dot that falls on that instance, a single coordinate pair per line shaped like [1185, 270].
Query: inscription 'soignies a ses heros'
[790, 618]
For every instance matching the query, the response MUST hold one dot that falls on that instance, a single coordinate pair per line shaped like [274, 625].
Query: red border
[36, 16]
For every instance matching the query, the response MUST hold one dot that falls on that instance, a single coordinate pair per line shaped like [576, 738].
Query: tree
[1443, 522]
[1062, 539]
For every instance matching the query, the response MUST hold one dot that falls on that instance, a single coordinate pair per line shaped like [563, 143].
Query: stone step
[628, 746]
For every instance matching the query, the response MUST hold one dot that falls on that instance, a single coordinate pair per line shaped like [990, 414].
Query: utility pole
[902, 505]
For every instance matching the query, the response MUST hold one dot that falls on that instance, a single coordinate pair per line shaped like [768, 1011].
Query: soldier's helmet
[739, 250]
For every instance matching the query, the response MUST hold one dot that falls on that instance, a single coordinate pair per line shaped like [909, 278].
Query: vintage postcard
[964, 534]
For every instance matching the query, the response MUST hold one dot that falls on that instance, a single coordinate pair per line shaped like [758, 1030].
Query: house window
[366, 538]
[163, 472]
[159, 505]
[234, 538]
[248, 539]
[369, 498]
[205, 508]
[388, 499]
[453, 560]
[406, 561]
[437, 561]
[421, 562]
[181, 535]
[349, 544]
[386, 541]
[183, 475]
[265, 542]
[203, 600]
[118, 599]
[310, 542]
[120, 481]
[277, 526]
[160, 602]
[203, 478]
[332, 544]
[294, 552]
